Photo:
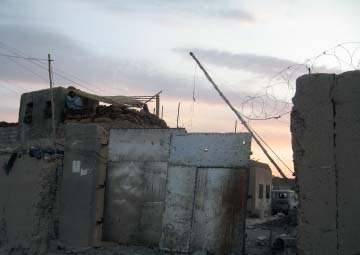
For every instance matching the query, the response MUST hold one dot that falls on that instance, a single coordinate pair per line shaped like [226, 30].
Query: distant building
[279, 183]
[260, 185]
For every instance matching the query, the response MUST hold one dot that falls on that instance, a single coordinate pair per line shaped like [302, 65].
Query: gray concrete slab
[347, 142]
[219, 211]
[312, 127]
[211, 150]
[82, 194]
[140, 144]
[179, 201]
[135, 196]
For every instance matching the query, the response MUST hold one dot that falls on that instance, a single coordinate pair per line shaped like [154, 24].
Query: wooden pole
[178, 113]
[158, 105]
[235, 126]
[52, 102]
[239, 116]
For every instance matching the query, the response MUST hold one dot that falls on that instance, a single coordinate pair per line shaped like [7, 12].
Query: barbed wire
[275, 99]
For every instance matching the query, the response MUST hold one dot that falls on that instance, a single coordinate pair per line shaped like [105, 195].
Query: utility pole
[157, 105]
[239, 116]
[52, 103]
[178, 113]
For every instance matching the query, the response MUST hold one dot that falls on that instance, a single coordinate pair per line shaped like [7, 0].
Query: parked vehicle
[284, 201]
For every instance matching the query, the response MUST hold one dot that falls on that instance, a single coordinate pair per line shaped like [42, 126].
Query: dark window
[261, 191]
[267, 191]
[28, 113]
[47, 110]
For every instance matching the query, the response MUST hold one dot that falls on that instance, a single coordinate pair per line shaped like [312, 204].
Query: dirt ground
[260, 235]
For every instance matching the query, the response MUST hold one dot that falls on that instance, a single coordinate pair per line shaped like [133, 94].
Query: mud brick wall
[27, 206]
[325, 126]
[8, 136]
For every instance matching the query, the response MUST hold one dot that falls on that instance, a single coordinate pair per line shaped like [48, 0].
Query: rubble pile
[8, 124]
[117, 116]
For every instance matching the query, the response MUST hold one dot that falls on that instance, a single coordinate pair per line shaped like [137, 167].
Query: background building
[260, 186]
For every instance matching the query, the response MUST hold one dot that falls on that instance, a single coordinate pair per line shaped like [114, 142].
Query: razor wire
[275, 99]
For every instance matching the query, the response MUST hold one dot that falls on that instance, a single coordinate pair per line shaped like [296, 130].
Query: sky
[139, 47]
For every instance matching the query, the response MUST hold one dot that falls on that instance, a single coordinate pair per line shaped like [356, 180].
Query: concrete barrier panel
[347, 144]
[219, 211]
[312, 127]
[140, 144]
[135, 196]
[83, 185]
[211, 150]
[176, 227]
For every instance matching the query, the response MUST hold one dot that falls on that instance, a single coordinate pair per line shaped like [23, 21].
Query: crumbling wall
[8, 136]
[325, 136]
[35, 121]
[27, 204]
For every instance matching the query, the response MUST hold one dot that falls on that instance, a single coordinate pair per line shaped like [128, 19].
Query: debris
[261, 241]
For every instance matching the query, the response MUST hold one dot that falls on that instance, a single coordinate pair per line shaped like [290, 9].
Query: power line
[26, 58]
[40, 64]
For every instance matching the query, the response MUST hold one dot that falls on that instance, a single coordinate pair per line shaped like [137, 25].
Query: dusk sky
[140, 47]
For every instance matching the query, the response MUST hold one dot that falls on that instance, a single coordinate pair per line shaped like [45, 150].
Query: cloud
[200, 8]
[101, 74]
[239, 15]
[267, 66]
[258, 64]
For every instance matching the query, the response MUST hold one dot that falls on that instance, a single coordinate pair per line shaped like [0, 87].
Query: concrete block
[135, 196]
[140, 144]
[179, 201]
[83, 183]
[312, 127]
[211, 150]
[347, 142]
[220, 210]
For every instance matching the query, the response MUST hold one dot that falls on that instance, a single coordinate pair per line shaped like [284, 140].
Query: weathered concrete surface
[219, 211]
[135, 202]
[41, 125]
[83, 185]
[136, 184]
[211, 150]
[347, 143]
[312, 127]
[176, 227]
[27, 203]
[140, 144]
[205, 206]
